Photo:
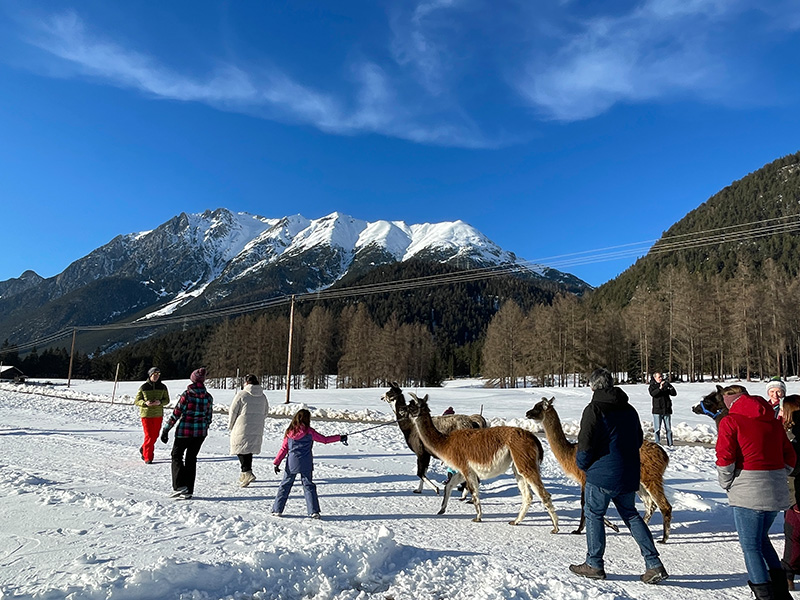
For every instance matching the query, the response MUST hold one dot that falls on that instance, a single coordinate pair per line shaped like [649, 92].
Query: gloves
[165, 436]
[343, 438]
[277, 469]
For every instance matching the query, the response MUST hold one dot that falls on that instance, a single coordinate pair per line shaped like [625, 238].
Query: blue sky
[551, 126]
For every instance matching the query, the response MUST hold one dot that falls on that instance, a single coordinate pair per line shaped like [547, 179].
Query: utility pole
[71, 356]
[289, 357]
[116, 380]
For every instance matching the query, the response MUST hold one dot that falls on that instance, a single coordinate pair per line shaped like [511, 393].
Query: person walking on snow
[661, 390]
[297, 445]
[151, 399]
[754, 456]
[608, 451]
[193, 414]
[246, 423]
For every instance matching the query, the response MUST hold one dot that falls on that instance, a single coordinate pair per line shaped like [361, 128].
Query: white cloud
[371, 106]
[657, 51]
[416, 44]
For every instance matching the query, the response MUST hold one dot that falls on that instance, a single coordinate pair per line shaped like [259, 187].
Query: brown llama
[652, 457]
[445, 423]
[485, 453]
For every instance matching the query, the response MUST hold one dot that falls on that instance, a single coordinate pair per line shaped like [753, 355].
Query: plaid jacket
[194, 412]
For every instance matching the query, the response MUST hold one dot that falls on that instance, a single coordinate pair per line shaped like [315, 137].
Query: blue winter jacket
[609, 442]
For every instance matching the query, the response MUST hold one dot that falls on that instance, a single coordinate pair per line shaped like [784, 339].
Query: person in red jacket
[754, 456]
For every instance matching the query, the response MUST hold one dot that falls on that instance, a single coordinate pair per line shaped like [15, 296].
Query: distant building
[11, 373]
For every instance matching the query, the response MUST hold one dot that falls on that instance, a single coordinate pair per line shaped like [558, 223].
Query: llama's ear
[394, 384]
[425, 399]
[719, 388]
[413, 395]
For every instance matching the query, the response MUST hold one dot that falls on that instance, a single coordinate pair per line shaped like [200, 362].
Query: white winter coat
[246, 420]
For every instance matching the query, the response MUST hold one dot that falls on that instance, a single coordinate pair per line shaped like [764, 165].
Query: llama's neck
[404, 422]
[430, 436]
[559, 443]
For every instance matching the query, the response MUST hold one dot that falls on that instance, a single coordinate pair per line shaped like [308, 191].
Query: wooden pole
[71, 357]
[116, 379]
[289, 357]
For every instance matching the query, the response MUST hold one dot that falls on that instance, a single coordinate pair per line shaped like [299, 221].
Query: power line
[730, 234]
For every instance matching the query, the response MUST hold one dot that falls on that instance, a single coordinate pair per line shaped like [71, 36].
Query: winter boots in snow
[780, 584]
[246, 478]
[762, 591]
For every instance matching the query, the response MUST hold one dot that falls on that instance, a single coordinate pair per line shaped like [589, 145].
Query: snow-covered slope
[84, 518]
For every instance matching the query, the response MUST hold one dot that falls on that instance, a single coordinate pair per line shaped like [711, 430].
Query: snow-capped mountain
[218, 256]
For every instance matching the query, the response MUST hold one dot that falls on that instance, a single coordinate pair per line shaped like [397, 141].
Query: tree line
[690, 325]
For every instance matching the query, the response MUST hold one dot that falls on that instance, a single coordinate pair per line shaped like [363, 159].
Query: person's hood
[298, 433]
[754, 407]
[612, 399]
[253, 389]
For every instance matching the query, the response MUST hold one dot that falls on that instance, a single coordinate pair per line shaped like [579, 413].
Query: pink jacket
[297, 445]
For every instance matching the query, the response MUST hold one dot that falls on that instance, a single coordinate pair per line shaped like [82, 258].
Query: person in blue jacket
[608, 451]
[297, 444]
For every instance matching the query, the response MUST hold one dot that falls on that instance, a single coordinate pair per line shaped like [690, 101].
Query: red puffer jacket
[754, 456]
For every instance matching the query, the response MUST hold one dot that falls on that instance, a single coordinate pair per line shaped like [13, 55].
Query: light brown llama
[652, 457]
[444, 423]
[483, 454]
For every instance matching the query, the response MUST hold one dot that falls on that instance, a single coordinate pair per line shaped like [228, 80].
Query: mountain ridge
[200, 260]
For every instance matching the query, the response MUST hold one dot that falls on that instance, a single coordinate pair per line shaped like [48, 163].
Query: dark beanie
[198, 375]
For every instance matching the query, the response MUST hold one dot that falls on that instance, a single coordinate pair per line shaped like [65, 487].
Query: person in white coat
[246, 424]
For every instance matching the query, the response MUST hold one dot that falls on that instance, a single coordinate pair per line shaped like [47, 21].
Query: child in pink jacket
[297, 444]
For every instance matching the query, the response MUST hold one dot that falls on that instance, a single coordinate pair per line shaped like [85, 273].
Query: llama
[485, 453]
[712, 405]
[653, 460]
[445, 423]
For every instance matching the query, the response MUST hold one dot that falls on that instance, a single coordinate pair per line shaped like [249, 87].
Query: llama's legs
[655, 490]
[423, 462]
[527, 498]
[649, 503]
[535, 481]
[582, 521]
[472, 486]
[455, 480]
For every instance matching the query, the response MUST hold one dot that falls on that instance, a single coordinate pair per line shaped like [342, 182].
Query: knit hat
[152, 370]
[776, 382]
[198, 375]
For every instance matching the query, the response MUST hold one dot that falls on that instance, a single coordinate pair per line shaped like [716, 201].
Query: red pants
[152, 429]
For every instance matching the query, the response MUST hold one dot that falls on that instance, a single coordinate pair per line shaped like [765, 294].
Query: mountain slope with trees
[716, 295]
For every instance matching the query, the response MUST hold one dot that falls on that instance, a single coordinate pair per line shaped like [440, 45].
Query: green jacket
[152, 392]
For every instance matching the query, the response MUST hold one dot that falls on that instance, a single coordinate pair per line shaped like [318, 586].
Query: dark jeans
[759, 554]
[246, 462]
[596, 504]
[183, 473]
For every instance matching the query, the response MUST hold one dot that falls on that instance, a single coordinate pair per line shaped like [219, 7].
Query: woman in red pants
[151, 399]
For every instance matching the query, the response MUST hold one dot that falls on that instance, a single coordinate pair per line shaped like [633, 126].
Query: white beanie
[776, 382]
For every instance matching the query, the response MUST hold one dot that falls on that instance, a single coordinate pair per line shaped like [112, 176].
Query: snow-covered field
[84, 518]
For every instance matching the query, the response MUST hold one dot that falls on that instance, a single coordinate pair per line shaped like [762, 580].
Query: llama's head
[711, 404]
[540, 408]
[418, 405]
[394, 396]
